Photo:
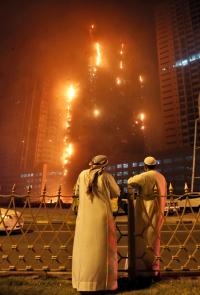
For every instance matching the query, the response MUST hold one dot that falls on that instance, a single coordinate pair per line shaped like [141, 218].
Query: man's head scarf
[98, 163]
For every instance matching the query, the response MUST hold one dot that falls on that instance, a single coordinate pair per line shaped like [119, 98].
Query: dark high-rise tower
[178, 46]
[31, 129]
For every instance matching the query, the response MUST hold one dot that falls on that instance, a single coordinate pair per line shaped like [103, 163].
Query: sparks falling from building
[95, 61]
[142, 117]
[141, 80]
[119, 79]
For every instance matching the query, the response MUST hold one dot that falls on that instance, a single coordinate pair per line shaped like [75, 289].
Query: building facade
[177, 25]
[31, 131]
[177, 168]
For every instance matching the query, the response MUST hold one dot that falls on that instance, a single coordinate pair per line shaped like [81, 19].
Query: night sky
[50, 39]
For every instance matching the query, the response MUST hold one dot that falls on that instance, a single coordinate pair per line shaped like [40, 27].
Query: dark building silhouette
[31, 131]
[178, 46]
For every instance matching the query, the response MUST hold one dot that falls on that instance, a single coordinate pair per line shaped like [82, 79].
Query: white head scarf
[98, 163]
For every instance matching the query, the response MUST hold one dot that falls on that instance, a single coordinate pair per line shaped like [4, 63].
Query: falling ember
[118, 81]
[121, 64]
[98, 54]
[122, 49]
[142, 116]
[92, 29]
[141, 79]
[142, 127]
[96, 112]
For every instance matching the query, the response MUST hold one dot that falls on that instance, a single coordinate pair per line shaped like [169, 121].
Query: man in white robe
[148, 218]
[94, 259]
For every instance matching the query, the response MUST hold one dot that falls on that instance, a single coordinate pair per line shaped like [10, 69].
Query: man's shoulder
[137, 178]
[83, 172]
[156, 173]
[143, 174]
[106, 174]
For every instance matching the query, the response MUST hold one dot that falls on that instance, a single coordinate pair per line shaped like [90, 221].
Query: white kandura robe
[94, 259]
[149, 215]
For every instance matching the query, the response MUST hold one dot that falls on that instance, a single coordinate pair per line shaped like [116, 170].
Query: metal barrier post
[131, 235]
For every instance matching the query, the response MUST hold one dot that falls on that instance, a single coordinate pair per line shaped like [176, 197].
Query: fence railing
[36, 233]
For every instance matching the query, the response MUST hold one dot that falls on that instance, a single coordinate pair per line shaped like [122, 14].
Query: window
[125, 173]
[125, 190]
[178, 159]
[119, 166]
[167, 161]
[179, 168]
[189, 158]
[119, 173]
[134, 164]
[125, 165]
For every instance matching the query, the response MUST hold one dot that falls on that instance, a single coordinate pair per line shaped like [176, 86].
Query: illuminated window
[141, 164]
[125, 173]
[125, 165]
[119, 166]
[119, 181]
[186, 61]
[134, 164]
[119, 173]
[125, 189]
